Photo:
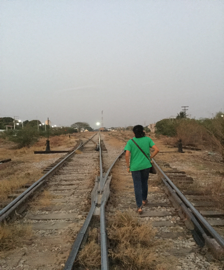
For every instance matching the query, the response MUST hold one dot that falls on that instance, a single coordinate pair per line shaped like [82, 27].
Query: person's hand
[128, 170]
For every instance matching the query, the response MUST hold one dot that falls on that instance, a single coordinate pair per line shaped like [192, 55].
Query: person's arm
[127, 158]
[155, 152]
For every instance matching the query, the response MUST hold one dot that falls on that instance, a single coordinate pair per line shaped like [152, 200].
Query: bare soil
[26, 167]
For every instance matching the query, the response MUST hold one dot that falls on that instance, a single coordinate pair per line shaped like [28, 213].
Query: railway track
[28, 190]
[179, 221]
[57, 225]
[16, 192]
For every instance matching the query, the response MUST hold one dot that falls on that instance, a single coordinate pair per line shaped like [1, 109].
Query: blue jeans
[140, 179]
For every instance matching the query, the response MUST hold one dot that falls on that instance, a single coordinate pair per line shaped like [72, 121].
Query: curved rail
[6, 211]
[101, 189]
[106, 192]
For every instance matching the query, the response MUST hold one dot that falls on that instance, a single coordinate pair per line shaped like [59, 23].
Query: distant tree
[146, 129]
[26, 122]
[219, 115]
[89, 128]
[32, 123]
[181, 115]
[6, 121]
[80, 125]
[166, 127]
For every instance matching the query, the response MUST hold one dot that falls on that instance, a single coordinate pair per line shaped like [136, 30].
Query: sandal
[145, 202]
[139, 211]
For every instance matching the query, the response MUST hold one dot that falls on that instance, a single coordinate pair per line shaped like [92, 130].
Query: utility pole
[102, 119]
[48, 141]
[14, 121]
[38, 126]
[184, 109]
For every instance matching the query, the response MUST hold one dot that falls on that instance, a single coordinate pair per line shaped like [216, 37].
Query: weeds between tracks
[90, 255]
[44, 200]
[132, 246]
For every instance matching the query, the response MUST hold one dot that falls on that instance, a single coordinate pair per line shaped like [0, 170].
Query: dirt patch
[114, 139]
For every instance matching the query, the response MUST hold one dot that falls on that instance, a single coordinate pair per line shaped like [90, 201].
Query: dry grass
[56, 142]
[215, 189]
[133, 245]
[172, 141]
[12, 236]
[44, 200]
[26, 167]
[15, 182]
[194, 134]
[90, 255]
[191, 133]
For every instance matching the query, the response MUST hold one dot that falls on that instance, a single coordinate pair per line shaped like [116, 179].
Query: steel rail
[79, 239]
[95, 193]
[101, 162]
[6, 211]
[103, 234]
[106, 186]
[185, 210]
[108, 172]
[200, 218]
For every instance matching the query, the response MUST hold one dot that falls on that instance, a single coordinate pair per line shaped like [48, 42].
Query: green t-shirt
[138, 159]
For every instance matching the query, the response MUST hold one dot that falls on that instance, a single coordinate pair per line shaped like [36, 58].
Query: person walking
[138, 160]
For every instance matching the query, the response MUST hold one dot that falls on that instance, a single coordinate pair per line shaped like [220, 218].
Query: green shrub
[166, 127]
[24, 137]
[215, 126]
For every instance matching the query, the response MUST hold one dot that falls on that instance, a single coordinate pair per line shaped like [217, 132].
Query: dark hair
[139, 131]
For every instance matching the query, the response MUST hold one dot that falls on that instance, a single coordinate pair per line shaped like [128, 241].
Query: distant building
[102, 129]
[152, 127]
[8, 126]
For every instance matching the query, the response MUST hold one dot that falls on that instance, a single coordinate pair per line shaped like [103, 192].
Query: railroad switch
[48, 146]
[180, 146]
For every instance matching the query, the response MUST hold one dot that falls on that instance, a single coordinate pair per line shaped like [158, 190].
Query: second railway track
[57, 214]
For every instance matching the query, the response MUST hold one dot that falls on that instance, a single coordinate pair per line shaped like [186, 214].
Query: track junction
[79, 187]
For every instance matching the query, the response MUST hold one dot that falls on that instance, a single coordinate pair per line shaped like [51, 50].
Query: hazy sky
[138, 61]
